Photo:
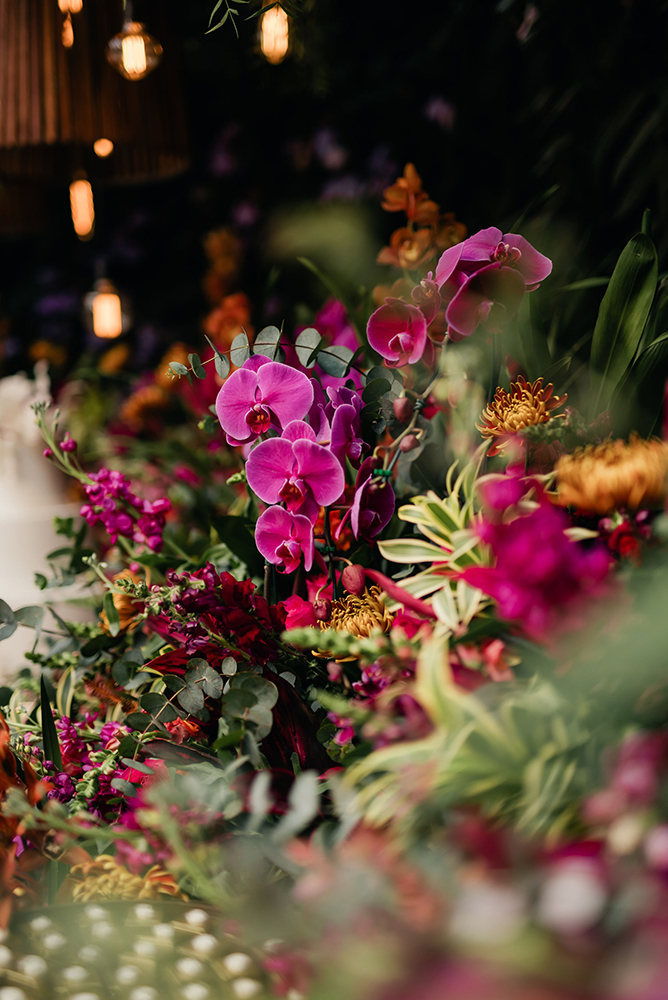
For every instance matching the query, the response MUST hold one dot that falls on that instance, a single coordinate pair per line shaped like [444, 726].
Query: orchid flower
[296, 471]
[259, 396]
[283, 538]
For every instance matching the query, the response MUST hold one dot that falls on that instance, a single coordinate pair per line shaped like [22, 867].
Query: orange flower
[449, 232]
[399, 289]
[177, 352]
[44, 350]
[224, 250]
[605, 477]
[525, 405]
[408, 249]
[113, 360]
[126, 607]
[405, 194]
[231, 317]
[144, 405]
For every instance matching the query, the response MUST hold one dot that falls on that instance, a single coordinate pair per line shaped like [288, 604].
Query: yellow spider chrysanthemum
[525, 405]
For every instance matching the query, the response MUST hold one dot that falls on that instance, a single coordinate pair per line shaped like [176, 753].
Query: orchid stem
[495, 368]
[331, 551]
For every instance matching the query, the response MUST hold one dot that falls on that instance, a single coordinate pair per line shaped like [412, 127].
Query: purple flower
[344, 410]
[282, 538]
[373, 503]
[484, 279]
[255, 398]
[539, 575]
[295, 470]
[121, 512]
[68, 443]
[398, 332]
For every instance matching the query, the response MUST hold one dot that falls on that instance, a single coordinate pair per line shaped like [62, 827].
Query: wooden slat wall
[55, 102]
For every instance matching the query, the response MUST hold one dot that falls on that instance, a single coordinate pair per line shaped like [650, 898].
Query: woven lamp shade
[55, 102]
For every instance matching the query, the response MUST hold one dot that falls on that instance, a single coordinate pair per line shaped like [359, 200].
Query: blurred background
[547, 117]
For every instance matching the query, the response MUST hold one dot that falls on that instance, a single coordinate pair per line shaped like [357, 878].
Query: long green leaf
[621, 318]
[49, 733]
[639, 396]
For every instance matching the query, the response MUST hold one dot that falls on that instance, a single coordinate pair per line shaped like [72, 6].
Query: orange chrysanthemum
[525, 405]
[615, 474]
[124, 604]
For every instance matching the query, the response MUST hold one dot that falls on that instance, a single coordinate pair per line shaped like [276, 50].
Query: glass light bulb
[103, 148]
[83, 208]
[107, 315]
[67, 35]
[275, 35]
[70, 6]
[133, 52]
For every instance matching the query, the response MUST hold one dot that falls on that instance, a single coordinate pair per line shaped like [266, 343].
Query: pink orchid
[295, 470]
[398, 332]
[260, 395]
[484, 279]
[283, 538]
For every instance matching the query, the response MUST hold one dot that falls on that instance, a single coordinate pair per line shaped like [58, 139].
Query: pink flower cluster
[121, 512]
[480, 282]
[301, 438]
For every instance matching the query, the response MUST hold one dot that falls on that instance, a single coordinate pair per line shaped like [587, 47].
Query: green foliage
[622, 318]
[518, 753]
[49, 732]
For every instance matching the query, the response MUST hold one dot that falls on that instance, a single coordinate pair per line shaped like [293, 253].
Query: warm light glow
[107, 315]
[83, 208]
[133, 52]
[275, 35]
[134, 55]
[70, 6]
[68, 33]
[103, 148]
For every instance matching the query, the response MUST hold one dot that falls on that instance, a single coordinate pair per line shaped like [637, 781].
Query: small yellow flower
[358, 615]
[605, 477]
[525, 405]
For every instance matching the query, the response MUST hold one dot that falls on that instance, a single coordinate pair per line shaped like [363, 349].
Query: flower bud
[322, 608]
[68, 443]
[354, 579]
[48, 453]
[403, 408]
[410, 442]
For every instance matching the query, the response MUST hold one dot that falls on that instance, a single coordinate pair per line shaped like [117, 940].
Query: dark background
[493, 120]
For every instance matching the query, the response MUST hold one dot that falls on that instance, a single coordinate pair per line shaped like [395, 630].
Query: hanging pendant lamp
[66, 109]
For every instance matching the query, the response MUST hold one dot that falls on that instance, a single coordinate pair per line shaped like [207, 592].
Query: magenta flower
[259, 396]
[373, 503]
[398, 332]
[296, 471]
[283, 538]
[484, 279]
[540, 576]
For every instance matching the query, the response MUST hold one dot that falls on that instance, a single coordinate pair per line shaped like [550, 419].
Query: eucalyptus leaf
[264, 690]
[267, 341]
[196, 365]
[191, 698]
[334, 360]
[221, 361]
[123, 786]
[373, 390]
[158, 707]
[240, 350]
[199, 672]
[307, 344]
[8, 624]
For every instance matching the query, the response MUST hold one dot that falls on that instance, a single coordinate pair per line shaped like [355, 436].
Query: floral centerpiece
[388, 713]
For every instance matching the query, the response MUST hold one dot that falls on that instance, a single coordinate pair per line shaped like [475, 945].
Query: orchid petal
[297, 430]
[268, 468]
[533, 266]
[233, 402]
[282, 537]
[286, 392]
[320, 470]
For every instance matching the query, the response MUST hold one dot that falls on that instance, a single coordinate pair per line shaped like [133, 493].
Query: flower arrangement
[379, 717]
